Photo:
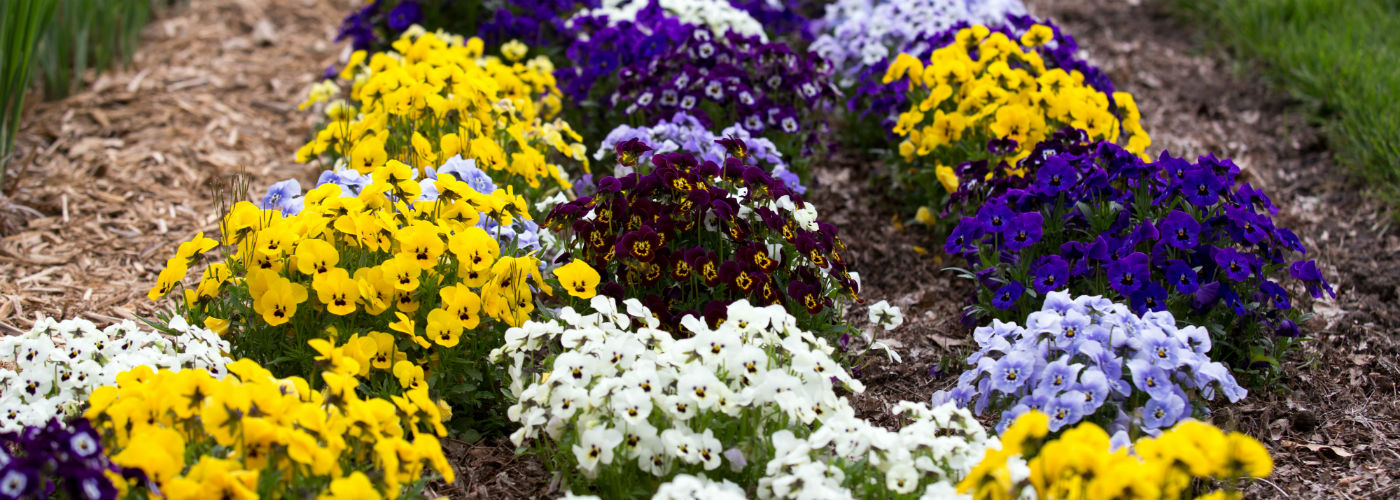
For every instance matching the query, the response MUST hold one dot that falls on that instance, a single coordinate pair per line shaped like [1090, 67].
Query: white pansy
[886, 315]
[596, 447]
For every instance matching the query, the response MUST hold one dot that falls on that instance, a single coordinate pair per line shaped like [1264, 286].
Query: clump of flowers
[521, 234]
[690, 238]
[602, 47]
[1184, 462]
[861, 37]
[686, 487]
[251, 435]
[790, 19]
[990, 96]
[388, 274]
[1089, 359]
[851, 458]
[683, 133]
[1170, 235]
[434, 98]
[718, 16]
[57, 363]
[619, 405]
[536, 22]
[56, 458]
[718, 79]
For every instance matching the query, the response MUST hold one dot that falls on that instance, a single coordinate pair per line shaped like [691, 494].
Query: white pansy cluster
[717, 15]
[687, 487]
[620, 398]
[860, 34]
[51, 369]
[852, 458]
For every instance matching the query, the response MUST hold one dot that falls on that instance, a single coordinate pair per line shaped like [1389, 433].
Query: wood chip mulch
[111, 179]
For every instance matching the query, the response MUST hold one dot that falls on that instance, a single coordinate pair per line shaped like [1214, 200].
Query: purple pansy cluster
[653, 72]
[1173, 235]
[601, 47]
[55, 459]
[534, 22]
[781, 17]
[732, 79]
[1088, 358]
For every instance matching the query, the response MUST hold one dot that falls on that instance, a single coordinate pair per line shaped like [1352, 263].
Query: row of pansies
[610, 261]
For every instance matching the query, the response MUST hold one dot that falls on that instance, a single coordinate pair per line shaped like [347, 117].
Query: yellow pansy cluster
[373, 278]
[372, 255]
[1080, 465]
[196, 436]
[986, 86]
[436, 96]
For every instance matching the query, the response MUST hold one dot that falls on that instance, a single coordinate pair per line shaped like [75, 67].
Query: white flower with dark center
[680, 407]
[681, 444]
[700, 385]
[574, 368]
[652, 456]
[902, 478]
[748, 363]
[13, 483]
[886, 315]
[632, 404]
[596, 447]
[566, 400]
[709, 450]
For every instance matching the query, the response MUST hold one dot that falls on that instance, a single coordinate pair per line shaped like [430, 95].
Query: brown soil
[117, 176]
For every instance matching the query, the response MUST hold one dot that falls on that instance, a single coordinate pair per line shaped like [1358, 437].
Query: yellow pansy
[337, 291]
[578, 279]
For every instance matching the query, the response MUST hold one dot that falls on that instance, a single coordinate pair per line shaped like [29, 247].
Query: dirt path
[118, 173]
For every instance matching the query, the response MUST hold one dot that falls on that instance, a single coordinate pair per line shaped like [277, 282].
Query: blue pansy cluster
[722, 79]
[1091, 218]
[1088, 358]
[535, 22]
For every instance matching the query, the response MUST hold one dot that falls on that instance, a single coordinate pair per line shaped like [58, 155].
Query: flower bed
[669, 318]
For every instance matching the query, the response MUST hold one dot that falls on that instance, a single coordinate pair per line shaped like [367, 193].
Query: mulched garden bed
[114, 177]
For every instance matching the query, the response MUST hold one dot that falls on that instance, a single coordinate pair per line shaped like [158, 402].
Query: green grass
[57, 42]
[89, 34]
[22, 22]
[1340, 58]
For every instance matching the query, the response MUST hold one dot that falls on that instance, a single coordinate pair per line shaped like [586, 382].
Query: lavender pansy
[1144, 367]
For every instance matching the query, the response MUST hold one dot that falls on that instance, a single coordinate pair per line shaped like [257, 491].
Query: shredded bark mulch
[111, 179]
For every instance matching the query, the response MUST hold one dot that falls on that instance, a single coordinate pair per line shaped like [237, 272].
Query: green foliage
[21, 24]
[89, 34]
[1338, 58]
